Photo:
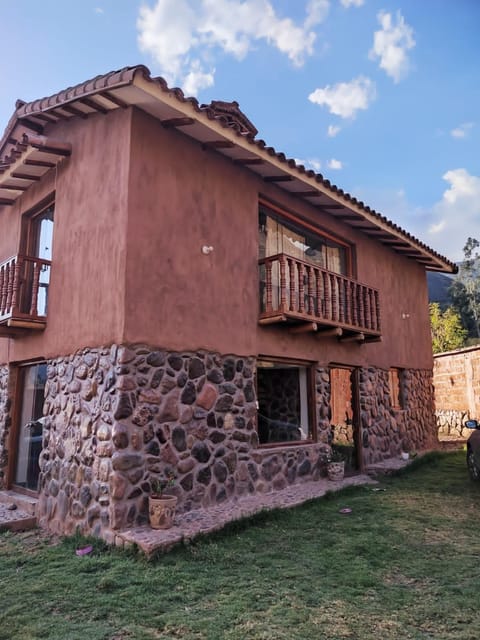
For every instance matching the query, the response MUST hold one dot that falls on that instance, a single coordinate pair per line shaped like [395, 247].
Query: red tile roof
[98, 94]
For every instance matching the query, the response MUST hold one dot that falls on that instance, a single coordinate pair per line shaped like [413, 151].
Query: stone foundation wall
[6, 393]
[76, 460]
[118, 417]
[387, 431]
[451, 424]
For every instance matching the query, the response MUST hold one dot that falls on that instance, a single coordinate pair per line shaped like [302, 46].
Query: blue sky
[381, 96]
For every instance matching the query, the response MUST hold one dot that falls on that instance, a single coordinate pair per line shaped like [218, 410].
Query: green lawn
[404, 564]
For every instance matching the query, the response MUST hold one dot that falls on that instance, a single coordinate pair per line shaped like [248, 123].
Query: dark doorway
[345, 423]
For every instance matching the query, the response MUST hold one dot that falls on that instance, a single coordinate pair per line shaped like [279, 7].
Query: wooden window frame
[279, 212]
[395, 384]
[310, 368]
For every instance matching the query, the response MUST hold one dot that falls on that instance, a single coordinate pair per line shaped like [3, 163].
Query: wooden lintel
[334, 332]
[272, 319]
[74, 111]
[357, 337]
[304, 328]
[218, 144]
[278, 178]
[10, 332]
[177, 122]
[113, 99]
[94, 105]
[6, 201]
[24, 176]
[248, 161]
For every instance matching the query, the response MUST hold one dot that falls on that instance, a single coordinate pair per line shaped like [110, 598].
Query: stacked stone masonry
[456, 376]
[117, 417]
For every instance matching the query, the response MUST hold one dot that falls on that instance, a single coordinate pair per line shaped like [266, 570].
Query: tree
[447, 330]
[465, 290]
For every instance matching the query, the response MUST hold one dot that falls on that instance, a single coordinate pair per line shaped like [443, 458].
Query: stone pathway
[201, 521]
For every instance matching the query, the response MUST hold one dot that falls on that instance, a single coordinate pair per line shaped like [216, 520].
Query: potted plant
[161, 505]
[335, 464]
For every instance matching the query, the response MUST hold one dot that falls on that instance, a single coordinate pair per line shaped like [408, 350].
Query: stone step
[15, 519]
[24, 503]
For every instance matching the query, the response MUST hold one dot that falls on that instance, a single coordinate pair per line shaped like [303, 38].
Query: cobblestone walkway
[197, 522]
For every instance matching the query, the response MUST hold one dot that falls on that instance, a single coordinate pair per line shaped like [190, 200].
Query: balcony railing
[295, 290]
[24, 292]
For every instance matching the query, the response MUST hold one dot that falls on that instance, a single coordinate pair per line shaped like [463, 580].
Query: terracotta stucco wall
[86, 294]
[181, 198]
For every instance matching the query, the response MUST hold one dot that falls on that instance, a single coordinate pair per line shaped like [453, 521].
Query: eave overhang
[26, 163]
[134, 86]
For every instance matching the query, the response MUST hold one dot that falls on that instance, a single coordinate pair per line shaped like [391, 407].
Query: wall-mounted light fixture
[207, 250]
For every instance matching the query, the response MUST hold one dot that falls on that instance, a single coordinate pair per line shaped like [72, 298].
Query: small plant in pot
[335, 464]
[161, 505]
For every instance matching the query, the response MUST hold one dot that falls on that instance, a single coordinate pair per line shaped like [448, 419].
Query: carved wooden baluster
[348, 304]
[377, 309]
[9, 275]
[301, 288]
[36, 277]
[373, 324]
[283, 284]
[16, 285]
[367, 309]
[361, 310]
[326, 293]
[268, 286]
[3, 295]
[341, 298]
[319, 293]
[354, 305]
[333, 292]
[311, 290]
[291, 272]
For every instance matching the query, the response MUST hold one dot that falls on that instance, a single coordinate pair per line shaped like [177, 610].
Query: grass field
[405, 563]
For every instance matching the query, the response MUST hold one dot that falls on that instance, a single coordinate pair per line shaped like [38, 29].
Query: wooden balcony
[23, 295]
[309, 298]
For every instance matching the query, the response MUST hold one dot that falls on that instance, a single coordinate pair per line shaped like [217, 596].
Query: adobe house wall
[456, 377]
[86, 293]
[181, 198]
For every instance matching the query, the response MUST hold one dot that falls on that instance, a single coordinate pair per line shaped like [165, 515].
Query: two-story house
[176, 294]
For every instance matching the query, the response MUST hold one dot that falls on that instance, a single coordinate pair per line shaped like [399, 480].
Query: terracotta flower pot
[161, 510]
[336, 470]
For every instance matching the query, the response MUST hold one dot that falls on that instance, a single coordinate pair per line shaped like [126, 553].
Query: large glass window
[278, 235]
[283, 402]
[30, 428]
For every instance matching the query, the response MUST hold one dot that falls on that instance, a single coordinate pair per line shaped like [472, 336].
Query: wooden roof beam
[217, 144]
[114, 99]
[278, 178]
[177, 122]
[94, 105]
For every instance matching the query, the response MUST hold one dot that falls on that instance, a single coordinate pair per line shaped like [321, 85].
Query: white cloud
[351, 3]
[462, 131]
[346, 98]
[335, 164]
[333, 130]
[391, 43]
[99, 10]
[182, 34]
[310, 163]
[457, 215]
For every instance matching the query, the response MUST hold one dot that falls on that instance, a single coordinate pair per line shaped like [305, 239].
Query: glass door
[30, 427]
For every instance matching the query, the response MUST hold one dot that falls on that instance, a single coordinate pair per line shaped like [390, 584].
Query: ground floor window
[284, 399]
[29, 430]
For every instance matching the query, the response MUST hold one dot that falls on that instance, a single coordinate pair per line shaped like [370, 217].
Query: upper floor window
[280, 235]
